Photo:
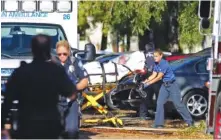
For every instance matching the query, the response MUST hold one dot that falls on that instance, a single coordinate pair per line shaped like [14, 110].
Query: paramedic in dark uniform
[169, 90]
[149, 64]
[37, 86]
[70, 110]
[150, 90]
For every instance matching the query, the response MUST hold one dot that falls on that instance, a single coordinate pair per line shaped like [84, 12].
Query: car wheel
[196, 102]
[112, 101]
[134, 98]
[217, 131]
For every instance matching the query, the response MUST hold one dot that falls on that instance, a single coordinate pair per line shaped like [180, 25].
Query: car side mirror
[90, 52]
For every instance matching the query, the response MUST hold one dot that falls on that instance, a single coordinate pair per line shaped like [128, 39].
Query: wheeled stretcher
[92, 98]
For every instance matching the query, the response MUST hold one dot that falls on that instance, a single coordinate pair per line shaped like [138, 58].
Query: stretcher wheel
[116, 123]
[119, 123]
[112, 124]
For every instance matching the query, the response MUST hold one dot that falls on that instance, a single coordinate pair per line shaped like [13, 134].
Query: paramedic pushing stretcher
[70, 110]
[37, 87]
[169, 89]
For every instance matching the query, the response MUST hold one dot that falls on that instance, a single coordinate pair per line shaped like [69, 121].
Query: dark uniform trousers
[170, 90]
[70, 117]
[151, 90]
[146, 102]
[70, 111]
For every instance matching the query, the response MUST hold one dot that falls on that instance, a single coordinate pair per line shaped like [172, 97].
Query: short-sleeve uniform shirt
[75, 71]
[149, 62]
[164, 67]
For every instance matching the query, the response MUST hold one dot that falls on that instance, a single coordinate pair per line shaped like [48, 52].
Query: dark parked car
[106, 58]
[191, 74]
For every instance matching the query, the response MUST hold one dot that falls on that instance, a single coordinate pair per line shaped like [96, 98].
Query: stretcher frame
[92, 101]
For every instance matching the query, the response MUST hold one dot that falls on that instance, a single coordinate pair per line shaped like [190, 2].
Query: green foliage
[189, 24]
[134, 18]
[197, 131]
[194, 129]
[121, 16]
[99, 10]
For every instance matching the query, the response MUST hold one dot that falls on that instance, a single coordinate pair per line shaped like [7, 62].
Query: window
[201, 66]
[179, 65]
[16, 38]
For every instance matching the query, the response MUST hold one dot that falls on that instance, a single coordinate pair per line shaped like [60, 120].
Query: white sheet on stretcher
[136, 61]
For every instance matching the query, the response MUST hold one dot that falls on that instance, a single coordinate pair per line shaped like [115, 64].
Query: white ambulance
[213, 118]
[22, 19]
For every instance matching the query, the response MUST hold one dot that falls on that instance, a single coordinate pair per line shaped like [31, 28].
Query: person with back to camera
[37, 87]
[169, 89]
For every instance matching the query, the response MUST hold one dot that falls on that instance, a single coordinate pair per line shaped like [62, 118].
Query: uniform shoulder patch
[71, 68]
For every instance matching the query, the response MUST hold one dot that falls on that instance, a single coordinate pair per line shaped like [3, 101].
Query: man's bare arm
[82, 84]
[153, 75]
[158, 78]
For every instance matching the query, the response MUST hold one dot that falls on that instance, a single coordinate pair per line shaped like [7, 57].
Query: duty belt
[169, 82]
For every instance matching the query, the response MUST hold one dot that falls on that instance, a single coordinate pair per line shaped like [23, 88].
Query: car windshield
[181, 62]
[16, 38]
[200, 54]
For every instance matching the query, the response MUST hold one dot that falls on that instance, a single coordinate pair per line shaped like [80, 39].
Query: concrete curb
[140, 128]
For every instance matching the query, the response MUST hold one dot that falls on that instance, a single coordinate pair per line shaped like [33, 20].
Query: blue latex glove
[141, 91]
[145, 85]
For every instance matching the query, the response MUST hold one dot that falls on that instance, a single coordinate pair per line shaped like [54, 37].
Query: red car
[180, 56]
[176, 57]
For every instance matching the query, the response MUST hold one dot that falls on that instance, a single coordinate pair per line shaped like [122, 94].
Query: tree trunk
[103, 42]
[121, 49]
[114, 42]
[128, 42]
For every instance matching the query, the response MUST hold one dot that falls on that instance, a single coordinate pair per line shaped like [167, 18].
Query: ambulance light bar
[64, 6]
[46, 6]
[10, 5]
[60, 6]
[29, 6]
